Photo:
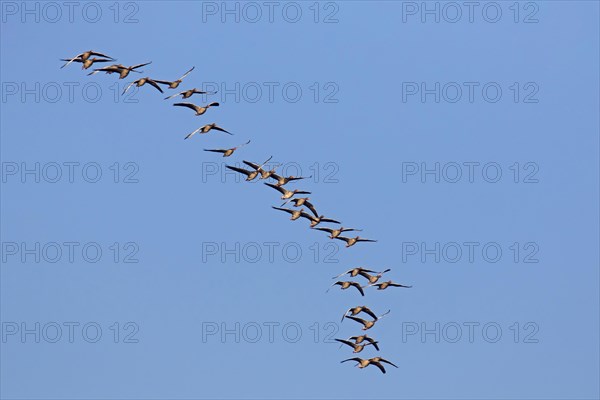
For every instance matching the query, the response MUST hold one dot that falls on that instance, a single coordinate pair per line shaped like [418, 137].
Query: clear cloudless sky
[228, 297]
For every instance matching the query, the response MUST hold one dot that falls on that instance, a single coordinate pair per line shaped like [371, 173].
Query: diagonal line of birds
[358, 343]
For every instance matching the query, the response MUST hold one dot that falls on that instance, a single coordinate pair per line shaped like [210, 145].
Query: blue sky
[466, 142]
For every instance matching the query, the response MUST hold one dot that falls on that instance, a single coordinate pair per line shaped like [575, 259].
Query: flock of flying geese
[357, 343]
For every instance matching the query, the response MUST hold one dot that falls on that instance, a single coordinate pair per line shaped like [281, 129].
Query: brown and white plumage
[294, 213]
[357, 347]
[264, 173]
[314, 221]
[250, 175]
[384, 285]
[122, 70]
[352, 241]
[366, 323]
[353, 271]
[317, 219]
[206, 129]
[333, 233]
[284, 180]
[299, 201]
[346, 284]
[198, 109]
[227, 152]
[82, 57]
[362, 338]
[376, 361]
[286, 194]
[188, 93]
[142, 82]
[85, 63]
[373, 278]
[357, 310]
[175, 83]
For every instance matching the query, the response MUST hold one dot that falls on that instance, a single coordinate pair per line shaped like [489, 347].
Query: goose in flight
[362, 338]
[174, 84]
[199, 110]
[188, 93]
[82, 57]
[366, 323]
[352, 241]
[373, 278]
[227, 152]
[294, 213]
[376, 361]
[357, 310]
[299, 202]
[300, 213]
[142, 82]
[281, 180]
[333, 233]
[206, 129]
[314, 221]
[264, 174]
[346, 284]
[122, 70]
[384, 285]
[317, 219]
[250, 175]
[85, 63]
[303, 201]
[286, 194]
[353, 272]
[357, 348]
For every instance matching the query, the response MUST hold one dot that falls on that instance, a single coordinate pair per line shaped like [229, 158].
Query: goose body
[373, 278]
[188, 93]
[85, 63]
[281, 180]
[286, 194]
[333, 233]
[346, 284]
[376, 361]
[353, 272]
[174, 84]
[227, 152]
[85, 56]
[207, 128]
[385, 285]
[356, 347]
[352, 241]
[122, 70]
[198, 109]
[142, 82]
